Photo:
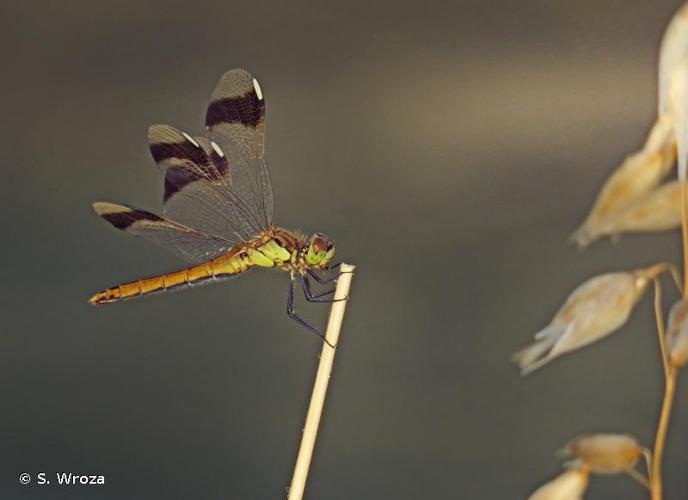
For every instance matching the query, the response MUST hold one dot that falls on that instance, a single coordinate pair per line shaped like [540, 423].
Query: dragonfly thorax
[291, 252]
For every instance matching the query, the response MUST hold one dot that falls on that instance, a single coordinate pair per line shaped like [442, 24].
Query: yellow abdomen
[229, 264]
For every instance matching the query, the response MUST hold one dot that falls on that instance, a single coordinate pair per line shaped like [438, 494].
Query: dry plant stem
[654, 272]
[667, 403]
[638, 477]
[310, 430]
[660, 328]
[677, 278]
[660, 440]
[647, 455]
[670, 371]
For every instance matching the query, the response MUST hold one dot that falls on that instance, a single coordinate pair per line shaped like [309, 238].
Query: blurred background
[449, 147]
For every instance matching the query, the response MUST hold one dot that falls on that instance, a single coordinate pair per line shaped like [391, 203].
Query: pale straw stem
[310, 430]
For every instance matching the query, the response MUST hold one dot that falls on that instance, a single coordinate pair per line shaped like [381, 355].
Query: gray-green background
[448, 147]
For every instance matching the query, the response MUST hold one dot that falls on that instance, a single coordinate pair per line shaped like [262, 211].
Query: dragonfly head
[320, 251]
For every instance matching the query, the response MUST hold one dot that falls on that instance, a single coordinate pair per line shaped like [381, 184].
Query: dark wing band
[191, 245]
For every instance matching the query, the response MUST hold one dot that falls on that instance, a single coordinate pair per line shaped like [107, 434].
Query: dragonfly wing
[236, 120]
[198, 185]
[189, 244]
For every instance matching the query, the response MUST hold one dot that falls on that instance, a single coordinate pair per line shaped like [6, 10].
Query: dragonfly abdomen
[214, 270]
[267, 254]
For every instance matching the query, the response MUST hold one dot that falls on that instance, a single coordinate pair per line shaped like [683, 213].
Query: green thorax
[289, 251]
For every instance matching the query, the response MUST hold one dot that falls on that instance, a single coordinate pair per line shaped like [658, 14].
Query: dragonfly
[217, 211]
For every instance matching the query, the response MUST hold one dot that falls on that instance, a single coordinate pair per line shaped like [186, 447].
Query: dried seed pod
[677, 101]
[604, 453]
[658, 210]
[570, 485]
[677, 334]
[595, 309]
[643, 170]
[636, 176]
[673, 50]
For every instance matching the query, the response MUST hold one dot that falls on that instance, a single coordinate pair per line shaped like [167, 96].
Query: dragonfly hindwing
[185, 159]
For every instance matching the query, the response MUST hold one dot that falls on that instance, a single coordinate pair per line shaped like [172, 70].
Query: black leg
[321, 280]
[316, 298]
[336, 266]
[292, 314]
[325, 281]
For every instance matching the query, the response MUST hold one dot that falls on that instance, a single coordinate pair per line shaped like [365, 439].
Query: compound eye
[318, 244]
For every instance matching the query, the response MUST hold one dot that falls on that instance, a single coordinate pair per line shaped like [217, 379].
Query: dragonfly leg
[292, 314]
[336, 266]
[310, 297]
[325, 281]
